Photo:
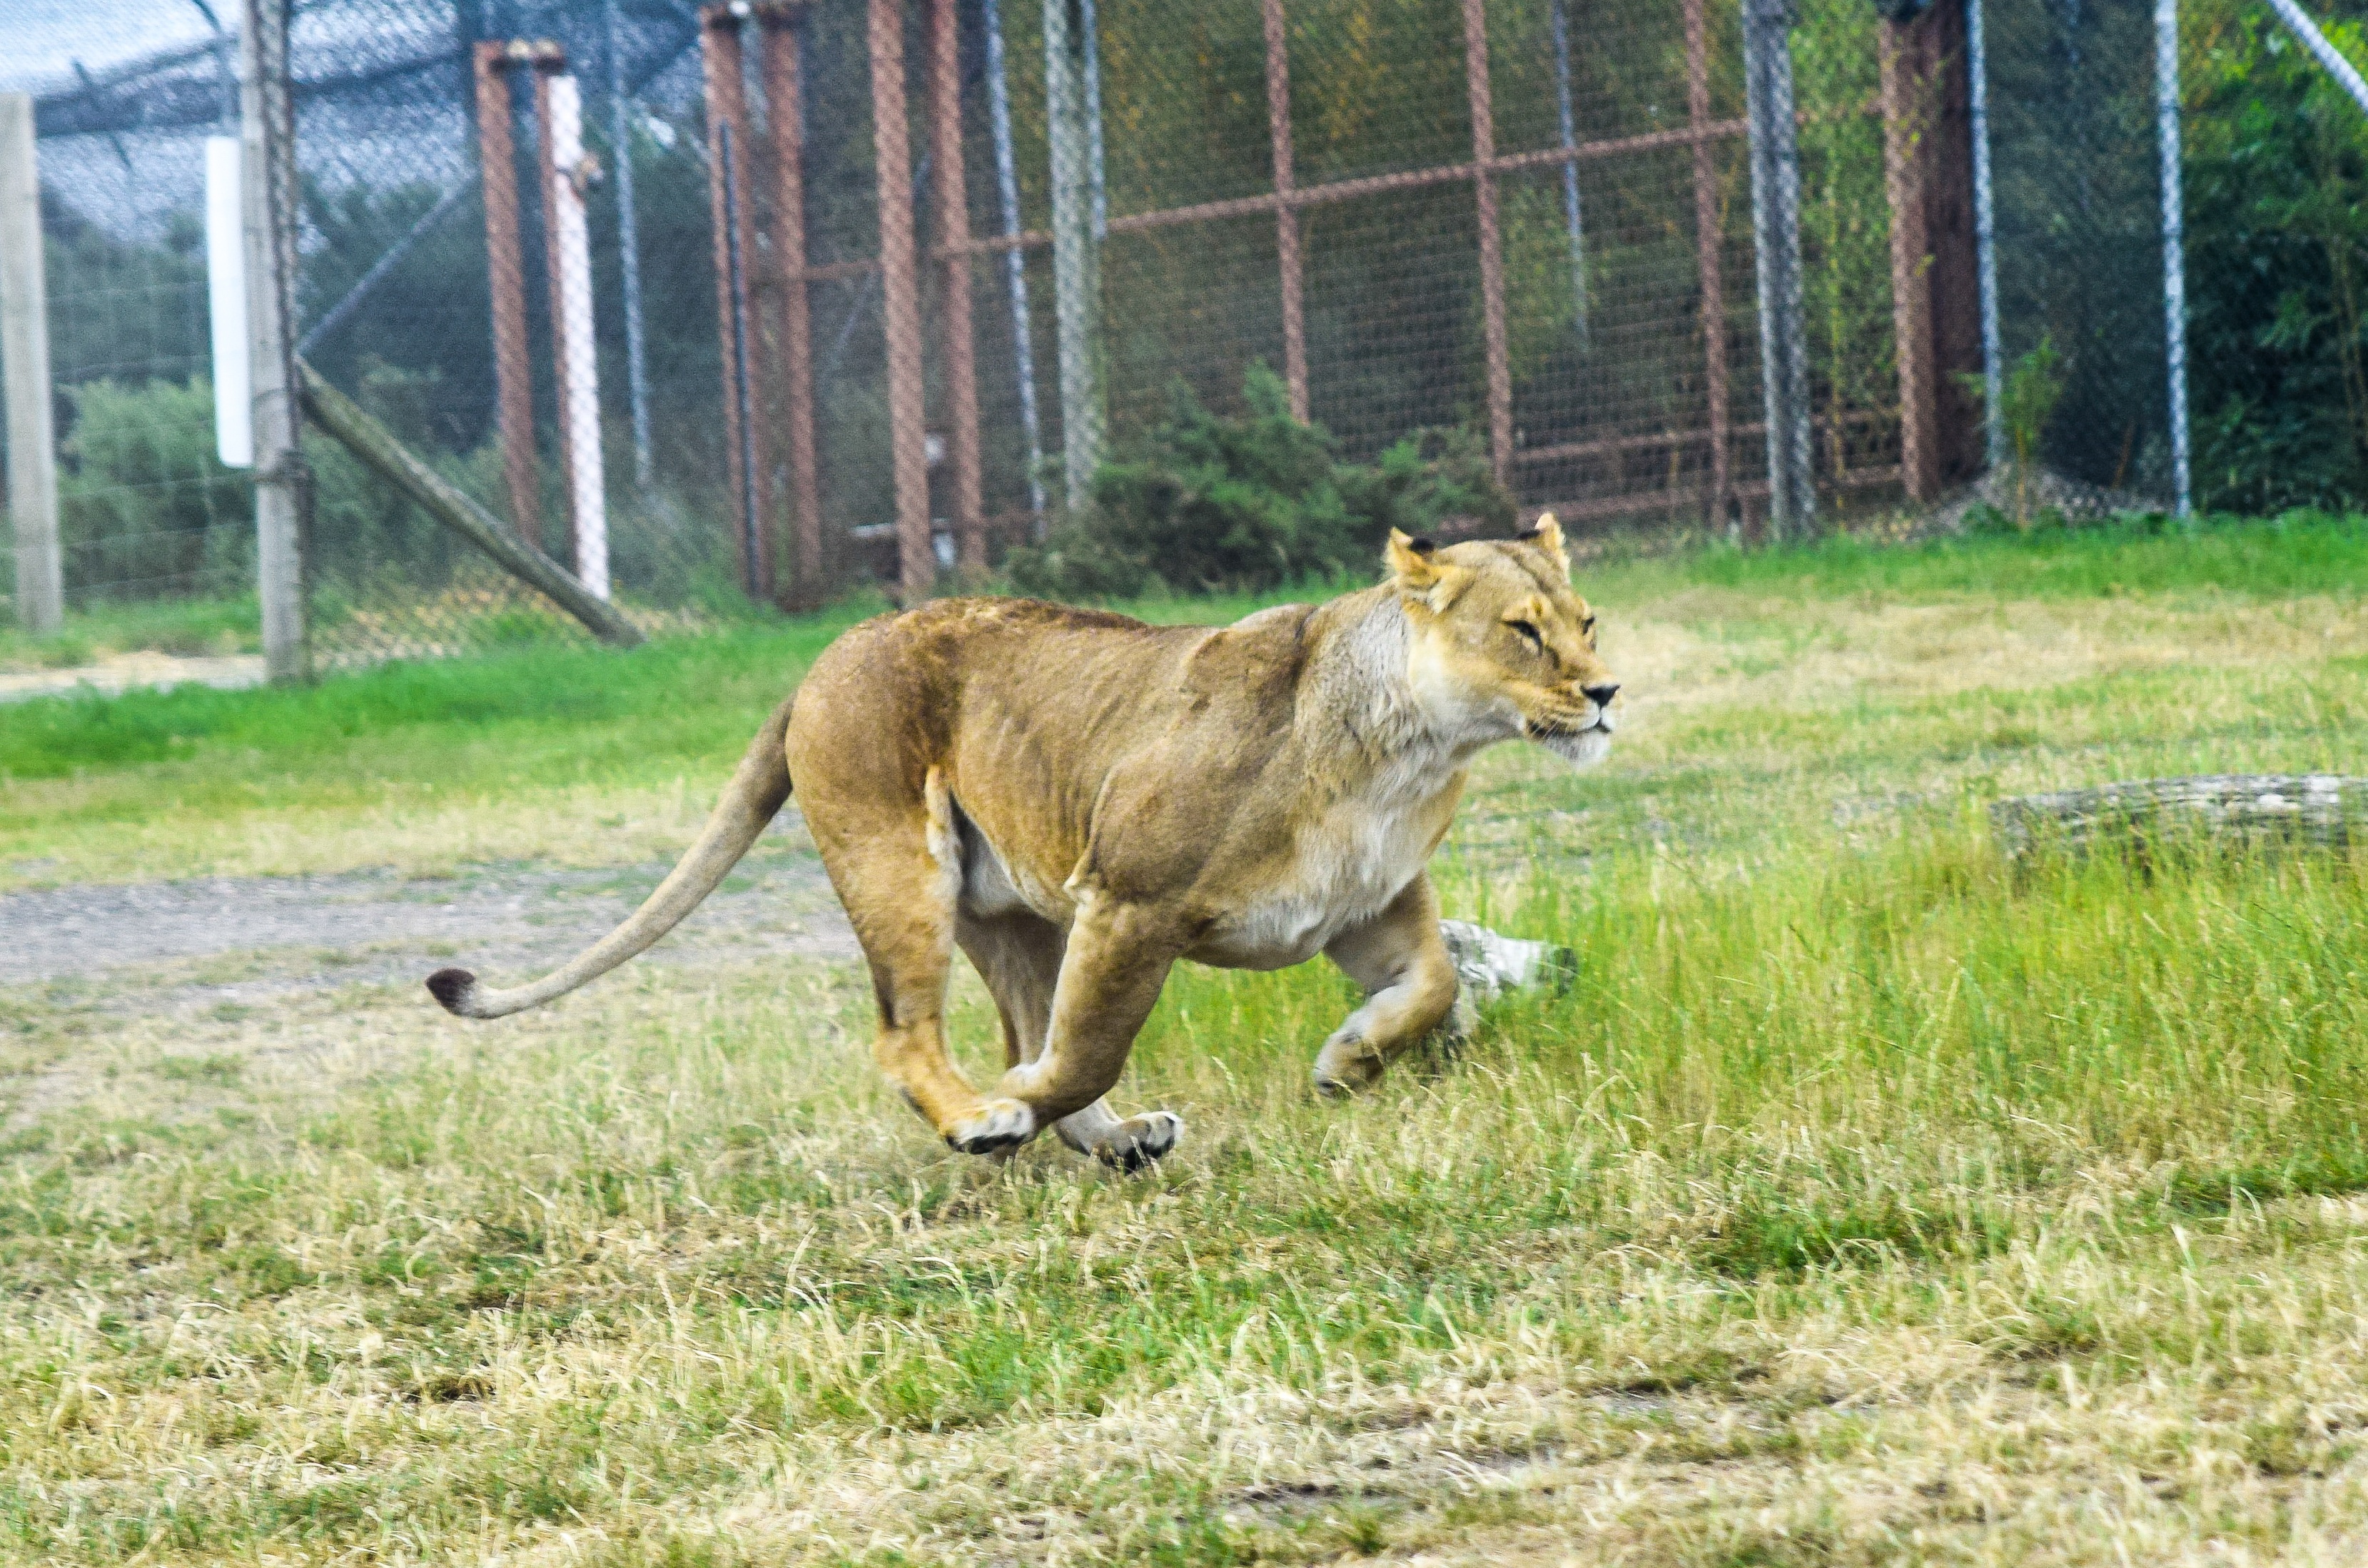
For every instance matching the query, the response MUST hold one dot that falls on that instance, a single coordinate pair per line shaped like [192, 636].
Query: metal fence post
[2174, 250]
[1707, 263]
[735, 250]
[505, 275]
[573, 348]
[783, 73]
[628, 258]
[1286, 217]
[25, 370]
[1492, 247]
[1076, 257]
[953, 302]
[900, 301]
[1776, 229]
[1927, 158]
[1558, 17]
[266, 127]
[1015, 265]
[1977, 68]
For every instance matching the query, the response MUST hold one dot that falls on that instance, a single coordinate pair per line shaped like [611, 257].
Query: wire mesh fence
[627, 274]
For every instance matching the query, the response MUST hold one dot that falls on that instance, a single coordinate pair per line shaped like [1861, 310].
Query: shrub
[1214, 502]
[144, 508]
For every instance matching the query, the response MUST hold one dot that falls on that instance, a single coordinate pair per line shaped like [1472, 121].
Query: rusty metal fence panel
[1529, 221]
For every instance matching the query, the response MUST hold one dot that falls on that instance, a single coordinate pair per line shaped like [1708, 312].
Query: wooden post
[953, 241]
[1928, 156]
[1707, 263]
[1286, 216]
[25, 373]
[735, 256]
[900, 300]
[505, 273]
[393, 461]
[784, 96]
[267, 135]
[1492, 247]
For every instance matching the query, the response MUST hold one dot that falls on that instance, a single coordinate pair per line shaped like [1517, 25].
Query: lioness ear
[1547, 536]
[1409, 561]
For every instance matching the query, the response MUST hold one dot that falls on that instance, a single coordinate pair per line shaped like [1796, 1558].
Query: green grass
[168, 626]
[1866, 1201]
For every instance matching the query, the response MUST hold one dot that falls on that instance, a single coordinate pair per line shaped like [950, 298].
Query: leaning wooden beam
[375, 444]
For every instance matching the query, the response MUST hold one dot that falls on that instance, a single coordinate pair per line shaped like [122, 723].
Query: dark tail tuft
[452, 987]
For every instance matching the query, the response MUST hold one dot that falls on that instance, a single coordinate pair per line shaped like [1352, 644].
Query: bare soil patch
[506, 918]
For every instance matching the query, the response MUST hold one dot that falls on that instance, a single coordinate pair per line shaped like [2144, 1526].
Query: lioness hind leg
[1020, 957]
[1410, 979]
[901, 902]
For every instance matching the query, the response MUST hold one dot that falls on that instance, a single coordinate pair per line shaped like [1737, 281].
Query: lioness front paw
[1140, 1139]
[1346, 1066]
[999, 1124]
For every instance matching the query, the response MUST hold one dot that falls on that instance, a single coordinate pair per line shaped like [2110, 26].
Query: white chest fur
[1345, 867]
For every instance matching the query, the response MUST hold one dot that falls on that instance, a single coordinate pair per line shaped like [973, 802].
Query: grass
[1865, 1201]
[215, 627]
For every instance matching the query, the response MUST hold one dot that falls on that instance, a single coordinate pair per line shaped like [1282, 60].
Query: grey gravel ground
[505, 921]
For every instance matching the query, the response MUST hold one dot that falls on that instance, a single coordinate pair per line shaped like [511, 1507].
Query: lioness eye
[1588, 626]
[1526, 630]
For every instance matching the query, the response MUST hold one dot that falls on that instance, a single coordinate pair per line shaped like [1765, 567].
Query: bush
[144, 508]
[1213, 504]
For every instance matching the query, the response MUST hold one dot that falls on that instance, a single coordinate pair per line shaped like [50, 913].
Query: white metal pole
[226, 305]
[1986, 237]
[1077, 262]
[2174, 259]
[1091, 28]
[1776, 232]
[579, 372]
[25, 374]
[266, 134]
[1015, 265]
[1559, 16]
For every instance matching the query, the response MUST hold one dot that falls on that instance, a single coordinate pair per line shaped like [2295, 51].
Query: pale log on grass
[2326, 810]
[375, 444]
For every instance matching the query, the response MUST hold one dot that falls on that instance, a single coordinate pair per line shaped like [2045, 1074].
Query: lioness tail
[749, 801]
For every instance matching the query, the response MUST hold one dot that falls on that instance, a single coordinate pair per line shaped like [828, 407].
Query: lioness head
[1501, 646]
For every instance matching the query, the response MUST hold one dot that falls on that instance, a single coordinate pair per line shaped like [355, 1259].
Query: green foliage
[2028, 394]
[1845, 223]
[144, 508]
[2277, 192]
[1214, 503]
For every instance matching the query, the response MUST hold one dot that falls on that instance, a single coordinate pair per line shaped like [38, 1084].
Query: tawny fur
[1077, 800]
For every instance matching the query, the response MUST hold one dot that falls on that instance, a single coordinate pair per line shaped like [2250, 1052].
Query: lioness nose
[1602, 694]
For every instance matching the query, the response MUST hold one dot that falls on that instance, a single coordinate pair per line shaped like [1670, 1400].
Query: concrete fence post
[25, 370]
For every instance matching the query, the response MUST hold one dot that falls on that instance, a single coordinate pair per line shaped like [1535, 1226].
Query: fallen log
[377, 447]
[2252, 810]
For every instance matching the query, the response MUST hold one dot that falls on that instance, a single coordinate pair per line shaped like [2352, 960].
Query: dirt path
[368, 925]
[119, 672]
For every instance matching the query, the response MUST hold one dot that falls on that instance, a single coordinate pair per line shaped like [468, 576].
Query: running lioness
[1079, 799]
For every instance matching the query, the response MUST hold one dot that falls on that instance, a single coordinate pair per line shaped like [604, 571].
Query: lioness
[1079, 799]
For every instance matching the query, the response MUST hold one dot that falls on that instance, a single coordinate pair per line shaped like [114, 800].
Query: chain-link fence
[1512, 239]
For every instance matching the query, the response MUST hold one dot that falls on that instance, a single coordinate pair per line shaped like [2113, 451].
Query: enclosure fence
[766, 302]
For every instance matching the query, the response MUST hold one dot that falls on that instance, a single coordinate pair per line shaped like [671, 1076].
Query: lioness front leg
[1110, 972]
[1020, 957]
[1402, 962]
